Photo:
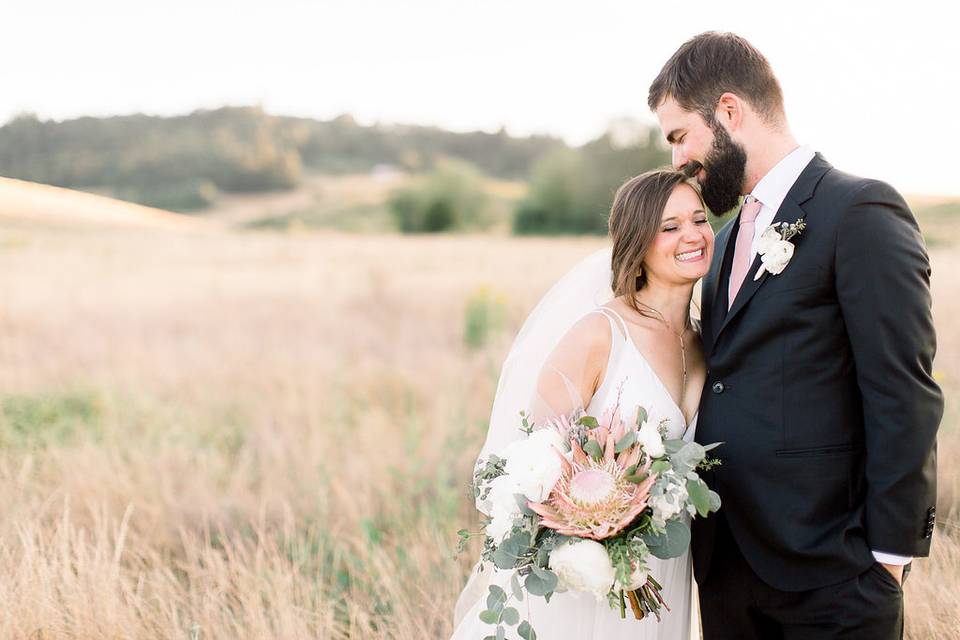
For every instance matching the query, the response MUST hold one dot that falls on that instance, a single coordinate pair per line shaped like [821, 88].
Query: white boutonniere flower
[775, 248]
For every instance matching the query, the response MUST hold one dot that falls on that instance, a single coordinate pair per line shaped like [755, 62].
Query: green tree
[448, 198]
[571, 190]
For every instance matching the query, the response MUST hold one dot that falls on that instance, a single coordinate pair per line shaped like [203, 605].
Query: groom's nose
[679, 158]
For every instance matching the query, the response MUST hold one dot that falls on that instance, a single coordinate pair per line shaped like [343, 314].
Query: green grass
[46, 419]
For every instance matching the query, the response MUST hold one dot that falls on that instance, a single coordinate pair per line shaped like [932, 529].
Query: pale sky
[871, 84]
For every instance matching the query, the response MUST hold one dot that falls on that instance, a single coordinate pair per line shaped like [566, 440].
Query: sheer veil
[585, 287]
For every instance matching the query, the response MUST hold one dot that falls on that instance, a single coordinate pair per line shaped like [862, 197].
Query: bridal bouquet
[582, 503]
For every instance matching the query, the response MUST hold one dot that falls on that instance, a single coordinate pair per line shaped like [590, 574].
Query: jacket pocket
[809, 452]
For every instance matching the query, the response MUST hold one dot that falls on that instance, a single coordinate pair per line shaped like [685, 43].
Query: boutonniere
[775, 248]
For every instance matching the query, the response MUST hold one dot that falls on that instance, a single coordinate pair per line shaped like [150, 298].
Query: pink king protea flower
[595, 498]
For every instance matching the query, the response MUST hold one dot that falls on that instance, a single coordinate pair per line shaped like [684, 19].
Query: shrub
[484, 316]
[571, 190]
[450, 197]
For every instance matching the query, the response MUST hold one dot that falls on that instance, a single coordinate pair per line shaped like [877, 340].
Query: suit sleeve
[883, 287]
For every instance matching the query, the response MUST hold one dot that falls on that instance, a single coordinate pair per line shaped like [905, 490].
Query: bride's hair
[635, 219]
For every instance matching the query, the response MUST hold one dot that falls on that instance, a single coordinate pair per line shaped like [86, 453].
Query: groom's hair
[711, 64]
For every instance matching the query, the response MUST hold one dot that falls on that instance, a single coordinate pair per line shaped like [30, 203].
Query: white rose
[583, 566]
[768, 238]
[777, 256]
[638, 578]
[649, 438]
[534, 464]
[670, 502]
[504, 509]
[499, 526]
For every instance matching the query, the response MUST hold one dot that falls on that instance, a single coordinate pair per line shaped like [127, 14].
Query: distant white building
[386, 173]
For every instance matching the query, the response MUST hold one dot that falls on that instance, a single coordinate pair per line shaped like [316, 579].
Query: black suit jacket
[820, 389]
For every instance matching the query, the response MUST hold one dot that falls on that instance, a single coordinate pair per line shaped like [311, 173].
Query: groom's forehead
[673, 118]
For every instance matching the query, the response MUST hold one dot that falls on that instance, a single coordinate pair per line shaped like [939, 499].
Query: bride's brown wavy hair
[634, 223]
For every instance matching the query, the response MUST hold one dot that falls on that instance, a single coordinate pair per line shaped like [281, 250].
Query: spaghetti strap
[623, 325]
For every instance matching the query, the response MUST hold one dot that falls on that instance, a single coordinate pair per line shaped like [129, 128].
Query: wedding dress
[630, 380]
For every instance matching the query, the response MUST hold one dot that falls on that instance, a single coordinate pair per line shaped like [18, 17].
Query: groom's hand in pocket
[896, 570]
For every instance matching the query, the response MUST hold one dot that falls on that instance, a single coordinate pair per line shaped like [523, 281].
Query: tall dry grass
[229, 435]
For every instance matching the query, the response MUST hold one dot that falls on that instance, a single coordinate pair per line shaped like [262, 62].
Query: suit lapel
[790, 210]
[712, 298]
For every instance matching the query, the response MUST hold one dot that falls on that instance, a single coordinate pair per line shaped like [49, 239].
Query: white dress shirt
[770, 191]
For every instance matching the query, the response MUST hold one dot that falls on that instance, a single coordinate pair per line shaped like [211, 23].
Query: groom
[819, 382]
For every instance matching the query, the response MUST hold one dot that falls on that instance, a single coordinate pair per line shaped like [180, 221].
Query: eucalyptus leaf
[660, 466]
[671, 542]
[674, 445]
[490, 617]
[501, 633]
[522, 503]
[686, 459]
[543, 557]
[505, 557]
[699, 496]
[547, 576]
[540, 582]
[589, 421]
[641, 416]
[510, 616]
[526, 631]
[628, 440]
[496, 598]
[515, 587]
[592, 449]
[714, 501]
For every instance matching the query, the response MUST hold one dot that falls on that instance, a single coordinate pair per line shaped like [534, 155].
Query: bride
[617, 326]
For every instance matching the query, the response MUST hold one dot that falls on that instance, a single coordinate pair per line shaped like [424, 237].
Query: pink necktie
[741, 253]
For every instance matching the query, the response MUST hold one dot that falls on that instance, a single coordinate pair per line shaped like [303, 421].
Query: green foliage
[38, 420]
[626, 553]
[572, 189]
[159, 161]
[166, 161]
[671, 542]
[939, 222]
[448, 198]
[188, 195]
[526, 631]
[484, 316]
[592, 449]
[541, 582]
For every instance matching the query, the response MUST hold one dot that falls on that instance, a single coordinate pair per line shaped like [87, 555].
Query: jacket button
[718, 387]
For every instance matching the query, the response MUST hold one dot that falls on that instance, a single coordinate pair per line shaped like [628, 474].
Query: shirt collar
[774, 186]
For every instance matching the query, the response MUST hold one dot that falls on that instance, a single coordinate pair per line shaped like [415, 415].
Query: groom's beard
[726, 168]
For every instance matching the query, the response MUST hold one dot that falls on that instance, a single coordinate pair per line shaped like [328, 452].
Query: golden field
[208, 433]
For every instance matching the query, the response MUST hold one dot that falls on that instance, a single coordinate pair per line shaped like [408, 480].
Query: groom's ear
[730, 111]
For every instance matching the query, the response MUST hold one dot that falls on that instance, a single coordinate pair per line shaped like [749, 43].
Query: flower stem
[638, 612]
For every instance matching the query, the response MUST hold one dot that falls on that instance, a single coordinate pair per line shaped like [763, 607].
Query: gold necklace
[683, 348]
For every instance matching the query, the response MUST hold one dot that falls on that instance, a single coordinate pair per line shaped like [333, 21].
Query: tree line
[182, 162]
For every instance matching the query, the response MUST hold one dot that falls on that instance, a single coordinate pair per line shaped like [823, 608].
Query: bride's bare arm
[574, 369]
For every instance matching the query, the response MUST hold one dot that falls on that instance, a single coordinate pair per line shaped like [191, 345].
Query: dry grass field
[220, 434]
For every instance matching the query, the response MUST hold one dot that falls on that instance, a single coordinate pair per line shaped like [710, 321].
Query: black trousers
[735, 604]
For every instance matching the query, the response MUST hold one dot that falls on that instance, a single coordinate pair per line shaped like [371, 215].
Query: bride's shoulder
[589, 337]
[593, 328]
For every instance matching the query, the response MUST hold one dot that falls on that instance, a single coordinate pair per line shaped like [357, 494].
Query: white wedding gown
[577, 615]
